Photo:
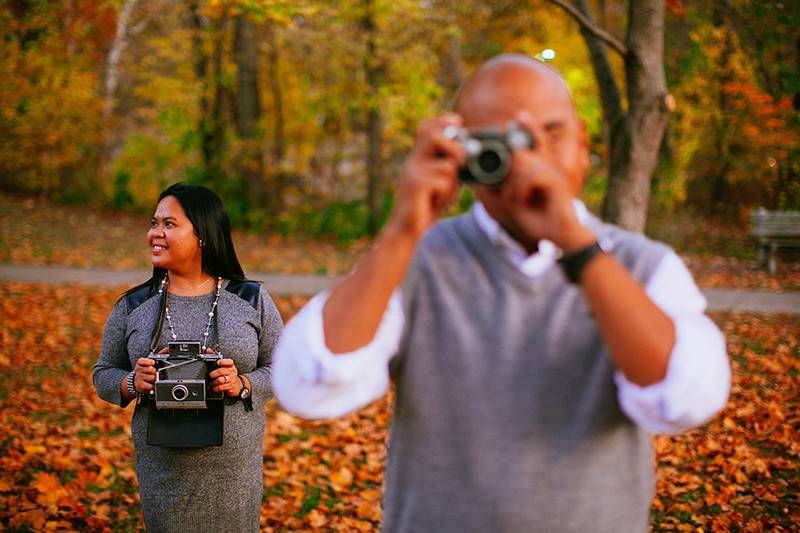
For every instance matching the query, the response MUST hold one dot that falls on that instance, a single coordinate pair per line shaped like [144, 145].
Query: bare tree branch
[593, 28]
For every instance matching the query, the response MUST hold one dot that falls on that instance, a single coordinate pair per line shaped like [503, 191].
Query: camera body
[182, 377]
[489, 152]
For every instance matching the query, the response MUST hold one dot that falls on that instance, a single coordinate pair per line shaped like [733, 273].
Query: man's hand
[429, 179]
[539, 196]
[428, 182]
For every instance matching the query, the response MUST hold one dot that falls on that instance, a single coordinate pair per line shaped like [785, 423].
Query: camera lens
[490, 165]
[489, 161]
[180, 392]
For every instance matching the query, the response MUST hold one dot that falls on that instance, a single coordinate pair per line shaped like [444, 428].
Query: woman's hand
[144, 378]
[226, 378]
[144, 375]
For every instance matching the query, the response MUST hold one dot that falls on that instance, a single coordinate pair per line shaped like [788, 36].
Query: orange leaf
[49, 487]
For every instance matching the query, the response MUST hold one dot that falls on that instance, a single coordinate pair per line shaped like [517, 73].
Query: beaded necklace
[210, 313]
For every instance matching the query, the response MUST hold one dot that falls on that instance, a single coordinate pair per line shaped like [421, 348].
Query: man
[524, 401]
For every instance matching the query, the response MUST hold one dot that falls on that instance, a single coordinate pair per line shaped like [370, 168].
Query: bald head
[507, 84]
[513, 88]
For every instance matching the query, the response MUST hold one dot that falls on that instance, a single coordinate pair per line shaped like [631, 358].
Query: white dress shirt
[310, 381]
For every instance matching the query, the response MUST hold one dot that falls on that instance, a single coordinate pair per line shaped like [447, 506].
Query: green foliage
[121, 195]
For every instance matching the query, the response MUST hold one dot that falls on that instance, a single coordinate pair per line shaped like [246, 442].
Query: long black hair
[212, 225]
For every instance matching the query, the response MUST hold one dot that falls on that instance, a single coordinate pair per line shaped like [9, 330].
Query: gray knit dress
[214, 489]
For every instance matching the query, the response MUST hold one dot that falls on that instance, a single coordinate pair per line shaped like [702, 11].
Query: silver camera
[182, 377]
[489, 152]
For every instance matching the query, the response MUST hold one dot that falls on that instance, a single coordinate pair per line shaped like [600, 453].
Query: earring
[201, 243]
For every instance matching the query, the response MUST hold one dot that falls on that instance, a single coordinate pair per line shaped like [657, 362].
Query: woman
[198, 292]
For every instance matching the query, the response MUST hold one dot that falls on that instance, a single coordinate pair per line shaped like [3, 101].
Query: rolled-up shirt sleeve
[311, 381]
[698, 377]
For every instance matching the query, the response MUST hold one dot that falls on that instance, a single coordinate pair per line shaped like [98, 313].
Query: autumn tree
[635, 132]
[738, 126]
[50, 113]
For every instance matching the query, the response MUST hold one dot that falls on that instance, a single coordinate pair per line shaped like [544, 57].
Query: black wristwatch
[574, 263]
[244, 394]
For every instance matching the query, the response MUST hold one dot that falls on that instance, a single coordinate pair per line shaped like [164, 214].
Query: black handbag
[182, 428]
[185, 428]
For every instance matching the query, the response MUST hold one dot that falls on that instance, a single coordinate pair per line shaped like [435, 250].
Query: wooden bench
[773, 230]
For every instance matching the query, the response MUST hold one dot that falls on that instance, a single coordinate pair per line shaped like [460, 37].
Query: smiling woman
[198, 295]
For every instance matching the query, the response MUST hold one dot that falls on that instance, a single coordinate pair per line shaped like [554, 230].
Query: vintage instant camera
[182, 377]
[489, 152]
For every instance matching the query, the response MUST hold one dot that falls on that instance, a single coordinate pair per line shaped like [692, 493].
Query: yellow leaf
[372, 495]
[34, 449]
[316, 518]
[341, 480]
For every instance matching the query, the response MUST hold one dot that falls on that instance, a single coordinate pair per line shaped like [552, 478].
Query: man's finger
[445, 148]
[527, 122]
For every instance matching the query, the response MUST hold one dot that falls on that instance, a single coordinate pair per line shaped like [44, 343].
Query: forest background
[300, 113]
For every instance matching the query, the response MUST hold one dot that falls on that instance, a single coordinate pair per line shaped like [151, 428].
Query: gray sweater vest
[506, 416]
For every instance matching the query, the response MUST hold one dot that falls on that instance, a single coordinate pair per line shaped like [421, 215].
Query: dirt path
[306, 284]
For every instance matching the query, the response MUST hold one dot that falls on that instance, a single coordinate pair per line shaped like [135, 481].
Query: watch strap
[246, 397]
[574, 264]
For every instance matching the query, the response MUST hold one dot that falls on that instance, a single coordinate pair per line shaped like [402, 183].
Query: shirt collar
[530, 264]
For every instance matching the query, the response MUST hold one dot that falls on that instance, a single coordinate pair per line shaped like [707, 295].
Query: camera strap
[159, 325]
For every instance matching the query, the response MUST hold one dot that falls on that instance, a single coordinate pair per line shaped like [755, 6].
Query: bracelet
[574, 263]
[131, 388]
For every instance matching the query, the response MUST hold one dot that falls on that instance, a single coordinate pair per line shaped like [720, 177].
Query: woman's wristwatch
[244, 394]
[131, 388]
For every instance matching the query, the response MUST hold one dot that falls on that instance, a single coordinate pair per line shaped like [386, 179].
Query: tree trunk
[278, 130]
[647, 116]
[114, 55]
[209, 124]
[248, 110]
[634, 136]
[111, 83]
[610, 98]
[279, 178]
[373, 71]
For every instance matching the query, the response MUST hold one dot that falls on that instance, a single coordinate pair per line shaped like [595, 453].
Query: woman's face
[173, 242]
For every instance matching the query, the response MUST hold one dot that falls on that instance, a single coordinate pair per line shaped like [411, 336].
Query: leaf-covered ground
[38, 232]
[66, 457]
